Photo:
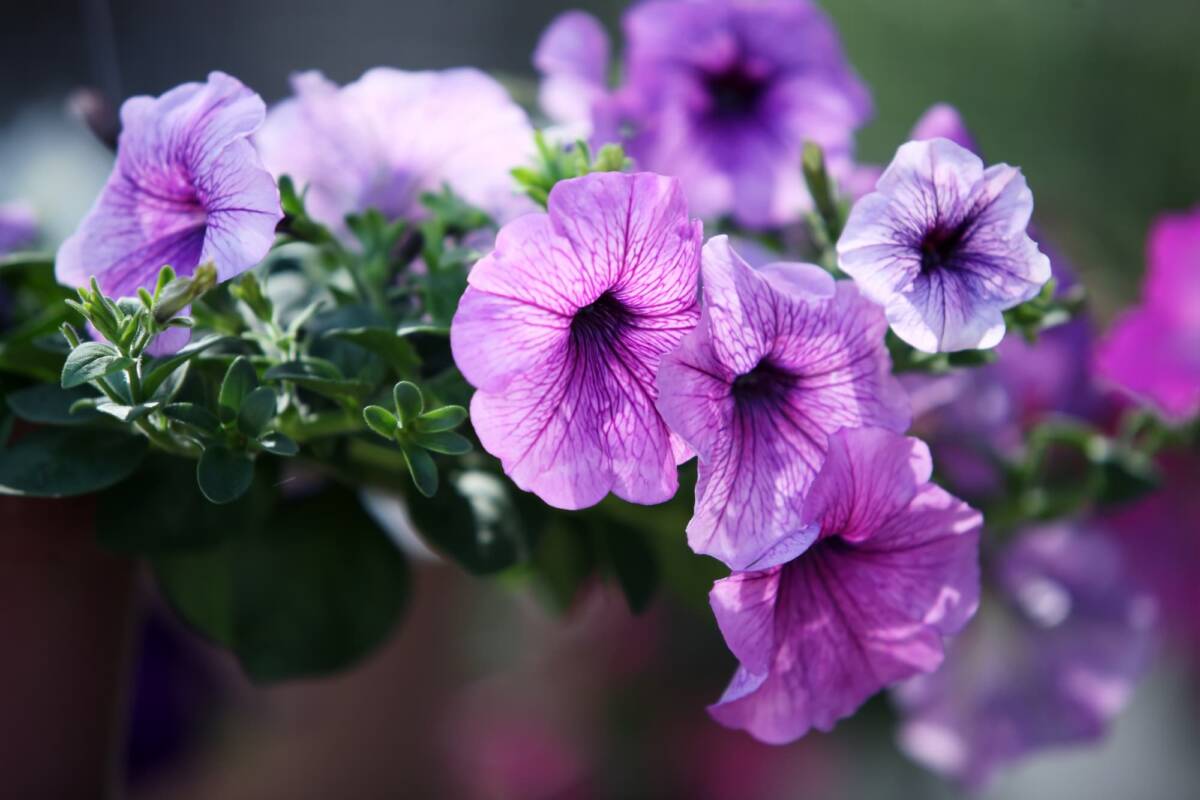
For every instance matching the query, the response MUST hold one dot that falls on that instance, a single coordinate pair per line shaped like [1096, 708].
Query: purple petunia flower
[18, 227]
[894, 570]
[942, 245]
[1153, 351]
[1050, 665]
[383, 140]
[187, 189]
[720, 93]
[561, 331]
[782, 358]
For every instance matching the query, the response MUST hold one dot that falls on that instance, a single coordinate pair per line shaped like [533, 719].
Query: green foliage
[419, 432]
[556, 163]
[64, 462]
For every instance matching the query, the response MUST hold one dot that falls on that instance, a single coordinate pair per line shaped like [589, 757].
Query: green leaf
[421, 467]
[258, 409]
[311, 591]
[63, 462]
[223, 474]
[447, 442]
[380, 420]
[125, 413]
[240, 380]
[279, 444]
[48, 404]
[161, 369]
[161, 510]
[91, 361]
[409, 403]
[474, 523]
[198, 418]
[317, 376]
[441, 419]
[385, 343]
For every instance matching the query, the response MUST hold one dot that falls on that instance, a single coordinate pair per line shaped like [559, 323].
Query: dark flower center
[734, 92]
[765, 383]
[942, 244]
[600, 324]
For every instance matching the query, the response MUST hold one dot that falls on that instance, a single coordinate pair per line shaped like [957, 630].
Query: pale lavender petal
[18, 226]
[187, 188]
[382, 140]
[573, 58]
[562, 331]
[943, 246]
[943, 121]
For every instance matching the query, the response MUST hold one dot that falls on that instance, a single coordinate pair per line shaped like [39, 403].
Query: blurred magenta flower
[943, 245]
[720, 93]
[1049, 662]
[561, 331]
[18, 227]
[1153, 350]
[783, 357]
[943, 121]
[867, 604]
[187, 189]
[383, 140]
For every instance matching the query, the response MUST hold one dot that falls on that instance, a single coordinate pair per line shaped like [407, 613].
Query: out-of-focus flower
[573, 57]
[561, 331]
[383, 140]
[720, 93]
[1160, 538]
[942, 245]
[18, 227]
[782, 358]
[1049, 662]
[942, 121]
[1153, 351]
[187, 189]
[894, 570]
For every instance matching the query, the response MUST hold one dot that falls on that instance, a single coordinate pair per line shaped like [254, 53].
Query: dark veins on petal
[942, 243]
[765, 384]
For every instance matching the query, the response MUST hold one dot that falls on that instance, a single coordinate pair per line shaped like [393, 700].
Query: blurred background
[482, 692]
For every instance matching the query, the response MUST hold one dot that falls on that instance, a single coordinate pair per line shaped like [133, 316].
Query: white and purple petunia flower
[867, 604]
[562, 329]
[1051, 664]
[943, 245]
[783, 357]
[720, 93]
[187, 189]
[383, 140]
[1153, 350]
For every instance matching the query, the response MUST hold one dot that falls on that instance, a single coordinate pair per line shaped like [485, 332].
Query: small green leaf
[447, 442]
[161, 369]
[224, 475]
[198, 418]
[441, 419]
[380, 420]
[92, 361]
[421, 467]
[278, 444]
[47, 404]
[125, 413]
[385, 343]
[240, 380]
[63, 462]
[257, 411]
[409, 403]
[317, 375]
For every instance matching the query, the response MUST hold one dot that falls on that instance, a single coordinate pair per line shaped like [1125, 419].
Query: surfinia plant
[685, 313]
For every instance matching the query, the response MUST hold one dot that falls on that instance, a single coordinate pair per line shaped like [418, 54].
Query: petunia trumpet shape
[782, 358]
[867, 604]
[1153, 350]
[1049, 665]
[383, 140]
[562, 329]
[187, 189]
[943, 245]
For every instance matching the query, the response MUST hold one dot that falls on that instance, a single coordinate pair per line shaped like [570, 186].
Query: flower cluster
[389, 273]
